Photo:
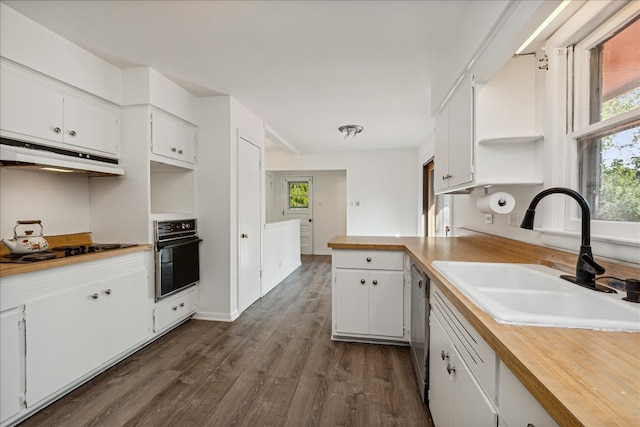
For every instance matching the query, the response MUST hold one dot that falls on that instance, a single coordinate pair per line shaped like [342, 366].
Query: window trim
[589, 26]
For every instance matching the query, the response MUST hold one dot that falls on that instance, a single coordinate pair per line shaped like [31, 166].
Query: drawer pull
[94, 296]
[57, 129]
[375, 282]
[181, 304]
[450, 369]
[173, 149]
[362, 281]
[368, 259]
[73, 133]
[179, 151]
[107, 291]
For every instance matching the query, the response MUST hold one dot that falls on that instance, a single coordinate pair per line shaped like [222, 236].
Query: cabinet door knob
[107, 291]
[368, 259]
[362, 281]
[57, 129]
[375, 282]
[244, 236]
[450, 369]
[444, 355]
[174, 308]
[179, 151]
[94, 296]
[174, 149]
[181, 304]
[72, 133]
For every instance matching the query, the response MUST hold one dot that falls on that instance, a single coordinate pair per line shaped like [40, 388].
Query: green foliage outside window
[298, 195]
[618, 197]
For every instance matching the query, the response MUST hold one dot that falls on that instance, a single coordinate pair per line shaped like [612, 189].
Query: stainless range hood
[25, 155]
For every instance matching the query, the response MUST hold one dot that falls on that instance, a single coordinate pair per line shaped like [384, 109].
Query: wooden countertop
[580, 376]
[66, 240]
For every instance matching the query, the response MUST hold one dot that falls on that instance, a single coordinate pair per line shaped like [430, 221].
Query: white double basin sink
[531, 294]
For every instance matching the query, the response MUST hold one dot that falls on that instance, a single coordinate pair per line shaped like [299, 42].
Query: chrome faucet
[586, 267]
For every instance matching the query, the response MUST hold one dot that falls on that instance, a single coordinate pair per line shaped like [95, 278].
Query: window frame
[287, 194]
[567, 94]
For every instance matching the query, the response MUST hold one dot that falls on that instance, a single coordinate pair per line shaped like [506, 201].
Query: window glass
[298, 195]
[615, 74]
[609, 173]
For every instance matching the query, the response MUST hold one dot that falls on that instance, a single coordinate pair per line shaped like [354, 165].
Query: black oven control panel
[174, 229]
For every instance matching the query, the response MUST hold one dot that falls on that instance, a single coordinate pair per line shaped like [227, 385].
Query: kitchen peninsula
[579, 376]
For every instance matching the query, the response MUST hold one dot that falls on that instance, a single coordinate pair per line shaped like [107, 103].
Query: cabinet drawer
[172, 311]
[474, 350]
[369, 260]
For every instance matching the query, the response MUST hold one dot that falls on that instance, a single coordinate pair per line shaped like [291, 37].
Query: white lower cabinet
[517, 406]
[10, 378]
[369, 303]
[174, 309]
[468, 384]
[73, 332]
[455, 398]
[369, 299]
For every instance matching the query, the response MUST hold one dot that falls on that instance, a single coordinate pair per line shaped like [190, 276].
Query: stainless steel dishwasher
[420, 327]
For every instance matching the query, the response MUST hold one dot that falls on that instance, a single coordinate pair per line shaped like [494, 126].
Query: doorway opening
[436, 209]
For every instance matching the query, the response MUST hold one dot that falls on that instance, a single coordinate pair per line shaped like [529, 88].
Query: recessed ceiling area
[303, 67]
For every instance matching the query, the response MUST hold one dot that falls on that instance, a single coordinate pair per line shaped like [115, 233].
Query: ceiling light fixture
[350, 130]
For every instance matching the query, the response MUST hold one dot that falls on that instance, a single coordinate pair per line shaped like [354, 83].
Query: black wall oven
[177, 256]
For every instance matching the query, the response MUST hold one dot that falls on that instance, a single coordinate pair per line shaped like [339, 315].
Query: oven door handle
[178, 242]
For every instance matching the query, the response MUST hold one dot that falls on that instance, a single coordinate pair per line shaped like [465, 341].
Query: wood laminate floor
[274, 366]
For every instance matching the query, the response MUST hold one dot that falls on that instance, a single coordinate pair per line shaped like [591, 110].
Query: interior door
[249, 229]
[298, 204]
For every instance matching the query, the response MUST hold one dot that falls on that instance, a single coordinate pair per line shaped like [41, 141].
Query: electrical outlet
[488, 218]
[514, 220]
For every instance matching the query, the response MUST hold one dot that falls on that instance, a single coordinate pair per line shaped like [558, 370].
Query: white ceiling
[304, 67]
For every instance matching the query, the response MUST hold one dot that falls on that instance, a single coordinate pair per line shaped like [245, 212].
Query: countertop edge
[7, 270]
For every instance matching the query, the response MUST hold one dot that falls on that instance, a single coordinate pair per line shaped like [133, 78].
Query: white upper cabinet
[28, 107]
[454, 140]
[173, 138]
[36, 109]
[488, 133]
[90, 125]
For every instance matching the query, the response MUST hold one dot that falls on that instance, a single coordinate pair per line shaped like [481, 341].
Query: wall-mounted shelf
[515, 139]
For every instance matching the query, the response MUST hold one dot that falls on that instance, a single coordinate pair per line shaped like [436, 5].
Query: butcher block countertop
[580, 376]
[7, 269]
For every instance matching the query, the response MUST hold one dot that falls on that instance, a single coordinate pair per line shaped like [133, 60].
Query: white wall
[281, 252]
[382, 183]
[221, 119]
[60, 201]
[329, 204]
[24, 41]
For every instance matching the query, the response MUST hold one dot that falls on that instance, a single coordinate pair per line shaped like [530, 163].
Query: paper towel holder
[501, 202]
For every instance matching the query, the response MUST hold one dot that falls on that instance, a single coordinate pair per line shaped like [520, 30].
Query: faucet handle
[592, 266]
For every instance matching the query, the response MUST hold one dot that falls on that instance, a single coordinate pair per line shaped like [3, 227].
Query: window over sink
[594, 75]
